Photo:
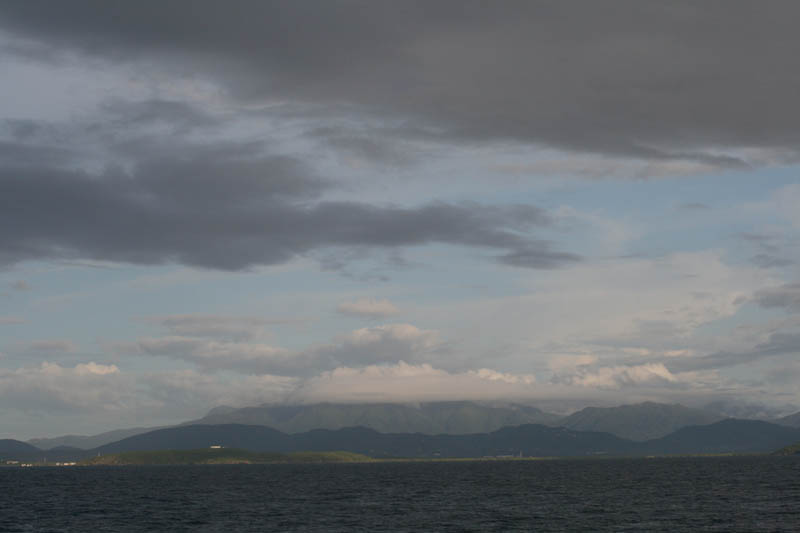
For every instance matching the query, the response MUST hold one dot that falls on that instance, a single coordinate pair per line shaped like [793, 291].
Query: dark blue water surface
[680, 494]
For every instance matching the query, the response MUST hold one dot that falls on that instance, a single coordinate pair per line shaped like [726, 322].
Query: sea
[729, 494]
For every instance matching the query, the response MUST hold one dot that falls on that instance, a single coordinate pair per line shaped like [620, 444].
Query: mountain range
[649, 422]
[432, 418]
[725, 436]
[636, 422]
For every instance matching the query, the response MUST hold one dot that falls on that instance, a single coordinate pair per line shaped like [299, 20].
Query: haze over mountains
[639, 422]
[430, 418]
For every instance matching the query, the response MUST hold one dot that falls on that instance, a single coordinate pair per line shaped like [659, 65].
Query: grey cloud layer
[651, 80]
[228, 206]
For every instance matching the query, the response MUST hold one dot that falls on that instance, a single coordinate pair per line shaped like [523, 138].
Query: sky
[552, 202]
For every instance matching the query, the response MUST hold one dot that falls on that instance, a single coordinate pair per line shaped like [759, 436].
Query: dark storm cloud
[226, 207]
[645, 79]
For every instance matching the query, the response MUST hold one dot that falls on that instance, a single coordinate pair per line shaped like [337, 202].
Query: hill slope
[11, 446]
[726, 436]
[729, 435]
[640, 422]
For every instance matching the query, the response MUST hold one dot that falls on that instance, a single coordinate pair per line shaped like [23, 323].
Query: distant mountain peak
[220, 410]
